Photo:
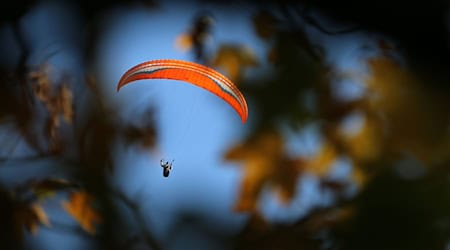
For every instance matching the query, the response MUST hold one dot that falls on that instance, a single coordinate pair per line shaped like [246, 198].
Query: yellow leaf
[31, 216]
[183, 42]
[286, 178]
[197, 36]
[367, 144]
[234, 59]
[41, 82]
[80, 208]
[413, 116]
[40, 214]
[321, 162]
[358, 176]
[265, 165]
[65, 103]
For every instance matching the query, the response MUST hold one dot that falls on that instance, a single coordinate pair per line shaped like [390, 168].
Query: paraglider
[193, 73]
[196, 74]
[167, 167]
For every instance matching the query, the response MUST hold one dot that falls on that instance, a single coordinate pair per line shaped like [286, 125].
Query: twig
[148, 236]
[303, 13]
[22, 161]
[61, 227]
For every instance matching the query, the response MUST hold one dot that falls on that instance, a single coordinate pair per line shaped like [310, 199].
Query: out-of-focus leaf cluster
[23, 207]
[403, 120]
[42, 111]
[57, 101]
[197, 36]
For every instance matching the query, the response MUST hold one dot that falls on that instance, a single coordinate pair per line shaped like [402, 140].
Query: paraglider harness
[167, 166]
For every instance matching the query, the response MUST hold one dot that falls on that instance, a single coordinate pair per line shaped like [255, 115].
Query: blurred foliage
[197, 37]
[404, 129]
[234, 60]
[266, 163]
[80, 208]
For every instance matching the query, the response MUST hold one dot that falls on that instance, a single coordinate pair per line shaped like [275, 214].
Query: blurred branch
[304, 14]
[21, 43]
[131, 242]
[60, 227]
[13, 147]
[148, 237]
[18, 161]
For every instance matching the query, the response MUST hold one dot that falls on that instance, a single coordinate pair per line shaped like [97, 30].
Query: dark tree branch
[61, 227]
[148, 237]
[305, 15]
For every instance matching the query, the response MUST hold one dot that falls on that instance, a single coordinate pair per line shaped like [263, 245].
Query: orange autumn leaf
[359, 176]
[366, 144]
[265, 165]
[65, 106]
[40, 214]
[234, 59]
[285, 180]
[41, 83]
[58, 101]
[322, 161]
[413, 116]
[183, 42]
[197, 36]
[80, 208]
[31, 216]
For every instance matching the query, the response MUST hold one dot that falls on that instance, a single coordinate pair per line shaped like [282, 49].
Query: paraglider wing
[193, 73]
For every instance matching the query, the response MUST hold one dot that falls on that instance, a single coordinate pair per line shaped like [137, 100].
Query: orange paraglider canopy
[196, 74]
